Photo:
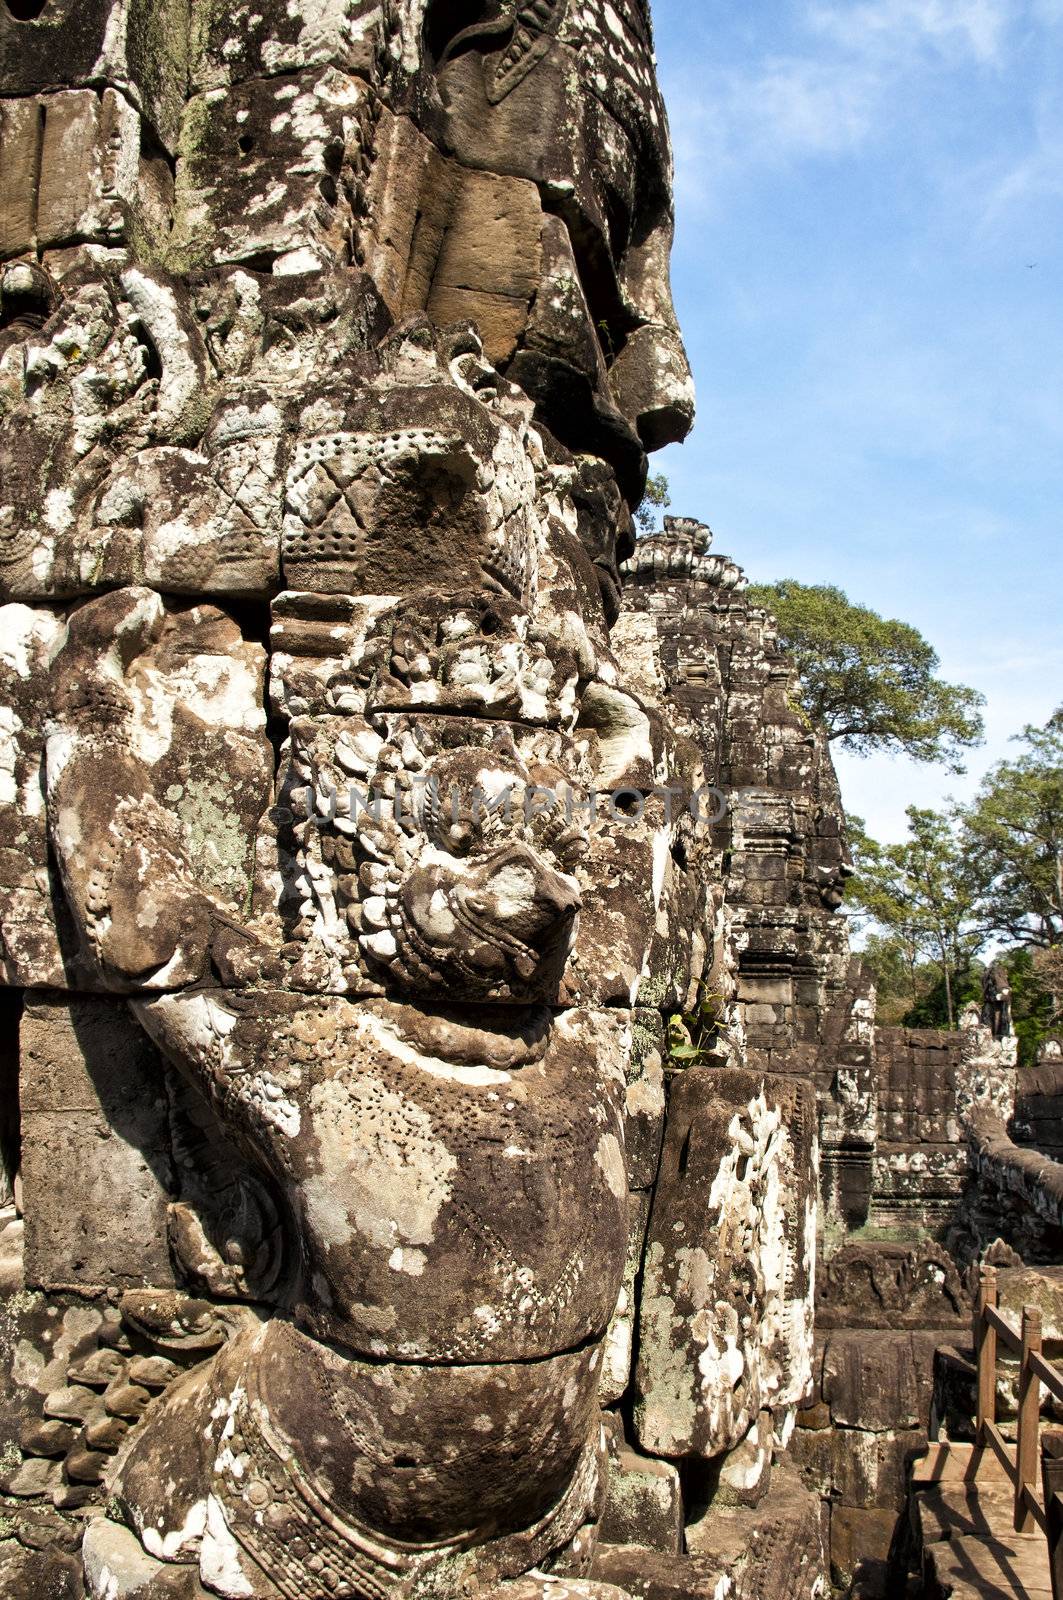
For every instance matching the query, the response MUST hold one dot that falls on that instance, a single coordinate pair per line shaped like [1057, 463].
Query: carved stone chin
[402, 1508]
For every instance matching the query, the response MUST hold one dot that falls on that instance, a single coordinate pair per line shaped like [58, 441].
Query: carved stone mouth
[433, 959]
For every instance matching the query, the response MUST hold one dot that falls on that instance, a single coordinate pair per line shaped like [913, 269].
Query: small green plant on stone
[692, 1035]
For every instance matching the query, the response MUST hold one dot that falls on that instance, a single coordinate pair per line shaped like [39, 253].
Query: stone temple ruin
[447, 1149]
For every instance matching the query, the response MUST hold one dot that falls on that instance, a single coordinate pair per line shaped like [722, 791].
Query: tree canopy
[976, 878]
[871, 681]
[1014, 830]
[924, 895]
[655, 502]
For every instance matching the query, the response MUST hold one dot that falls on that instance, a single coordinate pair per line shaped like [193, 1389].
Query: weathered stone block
[725, 1327]
[645, 1504]
[1034, 1286]
[20, 138]
[96, 1161]
[37, 947]
[626, 947]
[49, 1573]
[911, 1175]
[774, 1549]
[260, 169]
[487, 263]
[811, 1452]
[878, 1381]
[263, 38]
[645, 1102]
[756, 1554]
[864, 1470]
[140, 47]
[116, 1564]
[620, 1338]
[860, 1543]
[745, 1475]
[71, 165]
[178, 800]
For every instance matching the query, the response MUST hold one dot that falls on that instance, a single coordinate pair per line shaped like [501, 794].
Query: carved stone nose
[653, 385]
[558, 898]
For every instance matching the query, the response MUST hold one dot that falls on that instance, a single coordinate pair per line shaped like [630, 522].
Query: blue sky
[869, 275]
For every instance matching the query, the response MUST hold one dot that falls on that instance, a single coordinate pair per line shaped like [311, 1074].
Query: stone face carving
[345, 823]
[371, 919]
[476, 1154]
[559, 105]
[800, 1002]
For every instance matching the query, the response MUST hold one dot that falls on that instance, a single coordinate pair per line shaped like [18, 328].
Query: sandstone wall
[1038, 1119]
[921, 1160]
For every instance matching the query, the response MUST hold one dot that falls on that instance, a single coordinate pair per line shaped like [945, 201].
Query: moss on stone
[216, 836]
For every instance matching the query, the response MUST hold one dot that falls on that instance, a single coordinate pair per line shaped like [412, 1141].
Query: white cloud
[855, 69]
[974, 28]
[808, 107]
[787, 108]
[829, 97]
[1037, 175]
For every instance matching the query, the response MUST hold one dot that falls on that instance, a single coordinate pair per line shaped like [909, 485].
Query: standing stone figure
[996, 1001]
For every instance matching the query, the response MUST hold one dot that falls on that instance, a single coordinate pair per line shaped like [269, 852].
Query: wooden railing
[1033, 1457]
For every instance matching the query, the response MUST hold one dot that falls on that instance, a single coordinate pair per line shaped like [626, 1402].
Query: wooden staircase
[980, 1524]
[964, 1522]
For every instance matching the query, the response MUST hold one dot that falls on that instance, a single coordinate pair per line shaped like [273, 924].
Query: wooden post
[985, 1352]
[1028, 1451]
[1052, 1480]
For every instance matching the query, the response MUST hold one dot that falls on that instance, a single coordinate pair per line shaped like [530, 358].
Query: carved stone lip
[524, 958]
[506, 1037]
[610, 587]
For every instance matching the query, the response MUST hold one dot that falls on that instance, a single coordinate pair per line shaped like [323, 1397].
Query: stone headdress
[523, 32]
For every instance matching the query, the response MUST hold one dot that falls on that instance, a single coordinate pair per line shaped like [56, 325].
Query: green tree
[1048, 965]
[870, 681]
[930, 1004]
[655, 502]
[910, 991]
[1033, 1009]
[1013, 831]
[897, 974]
[923, 895]
[892, 964]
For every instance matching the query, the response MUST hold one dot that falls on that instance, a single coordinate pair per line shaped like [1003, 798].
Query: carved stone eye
[27, 297]
[449, 823]
[25, 10]
[460, 837]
